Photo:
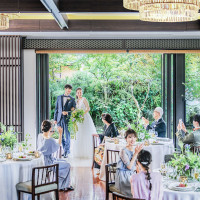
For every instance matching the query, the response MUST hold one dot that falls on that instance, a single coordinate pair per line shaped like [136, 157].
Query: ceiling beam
[52, 7]
[18, 25]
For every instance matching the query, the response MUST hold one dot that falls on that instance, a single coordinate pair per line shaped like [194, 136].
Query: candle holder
[8, 156]
[116, 141]
[37, 154]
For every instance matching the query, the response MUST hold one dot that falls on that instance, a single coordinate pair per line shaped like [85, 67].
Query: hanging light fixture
[166, 10]
[4, 21]
[169, 10]
[131, 4]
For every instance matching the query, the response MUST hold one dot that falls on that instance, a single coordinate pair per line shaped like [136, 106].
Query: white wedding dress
[83, 145]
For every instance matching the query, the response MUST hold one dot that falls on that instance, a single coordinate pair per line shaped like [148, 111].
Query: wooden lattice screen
[11, 82]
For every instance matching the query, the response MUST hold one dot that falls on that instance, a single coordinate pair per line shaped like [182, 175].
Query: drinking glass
[20, 147]
[180, 122]
[196, 174]
[15, 149]
[174, 172]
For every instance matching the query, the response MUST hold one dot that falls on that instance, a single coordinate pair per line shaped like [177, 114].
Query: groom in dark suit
[65, 104]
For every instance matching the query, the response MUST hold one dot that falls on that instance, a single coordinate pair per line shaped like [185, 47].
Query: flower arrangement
[185, 162]
[7, 138]
[142, 134]
[77, 116]
[26, 143]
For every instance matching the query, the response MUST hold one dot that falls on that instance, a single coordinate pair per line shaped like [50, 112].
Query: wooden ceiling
[84, 15]
[66, 6]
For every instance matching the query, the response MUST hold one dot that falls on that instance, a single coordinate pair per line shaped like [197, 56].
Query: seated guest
[159, 124]
[193, 139]
[48, 146]
[146, 185]
[126, 166]
[110, 130]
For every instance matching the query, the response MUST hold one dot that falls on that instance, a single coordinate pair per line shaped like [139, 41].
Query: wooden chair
[95, 145]
[117, 196]
[112, 156]
[196, 150]
[44, 180]
[110, 179]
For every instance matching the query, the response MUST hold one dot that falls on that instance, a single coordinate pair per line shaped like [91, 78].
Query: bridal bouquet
[76, 117]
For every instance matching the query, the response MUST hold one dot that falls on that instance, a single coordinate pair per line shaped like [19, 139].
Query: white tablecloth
[158, 152]
[175, 195]
[13, 172]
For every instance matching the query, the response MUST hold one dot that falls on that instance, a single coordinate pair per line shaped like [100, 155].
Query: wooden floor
[87, 185]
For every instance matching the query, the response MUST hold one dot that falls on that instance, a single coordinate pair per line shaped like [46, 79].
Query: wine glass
[15, 149]
[174, 172]
[156, 134]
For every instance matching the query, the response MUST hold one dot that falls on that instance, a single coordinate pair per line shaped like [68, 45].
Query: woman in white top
[83, 145]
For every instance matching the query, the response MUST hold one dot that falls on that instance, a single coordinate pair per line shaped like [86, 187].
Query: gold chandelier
[166, 10]
[4, 21]
[131, 4]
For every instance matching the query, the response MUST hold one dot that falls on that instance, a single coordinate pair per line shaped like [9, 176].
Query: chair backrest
[117, 196]
[196, 150]
[95, 141]
[46, 175]
[110, 173]
[112, 156]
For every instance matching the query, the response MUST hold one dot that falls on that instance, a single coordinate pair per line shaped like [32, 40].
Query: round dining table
[158, 151]
[178, 195]
[13, 172]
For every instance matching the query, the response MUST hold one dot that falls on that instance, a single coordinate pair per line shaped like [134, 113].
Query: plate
[30, 154]
[174, 186]
[22, 159]
[157, 143]
[163, 139]
[2, 159]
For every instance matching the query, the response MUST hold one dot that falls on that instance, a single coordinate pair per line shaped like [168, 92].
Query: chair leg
[18, 195]
[107, 195]
[93, 164]
[38, 197]
[57, 195]
[33, 196]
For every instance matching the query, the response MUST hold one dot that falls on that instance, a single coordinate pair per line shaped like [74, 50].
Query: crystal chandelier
[4, 21]
[131, 4]
[166, 10]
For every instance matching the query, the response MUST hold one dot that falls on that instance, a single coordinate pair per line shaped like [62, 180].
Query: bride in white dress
[83, 145]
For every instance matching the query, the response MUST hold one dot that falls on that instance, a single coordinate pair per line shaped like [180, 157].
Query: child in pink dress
[146, 185]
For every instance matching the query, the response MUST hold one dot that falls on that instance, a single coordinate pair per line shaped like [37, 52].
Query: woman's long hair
[145, 158]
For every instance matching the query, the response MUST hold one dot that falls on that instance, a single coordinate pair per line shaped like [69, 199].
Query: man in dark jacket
[159, 124]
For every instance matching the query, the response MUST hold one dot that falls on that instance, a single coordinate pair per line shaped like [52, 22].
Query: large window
[192, 87]
[128, 86]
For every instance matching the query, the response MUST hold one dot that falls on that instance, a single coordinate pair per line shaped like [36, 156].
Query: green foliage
[7, 138]
[26, 143]
[55, 135]
[185, 163]
[110, 82]
[142, 134]
[192, 86]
